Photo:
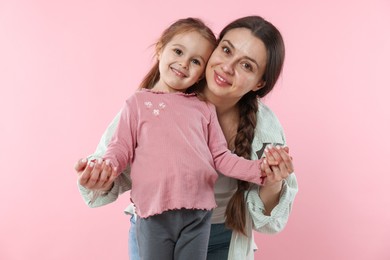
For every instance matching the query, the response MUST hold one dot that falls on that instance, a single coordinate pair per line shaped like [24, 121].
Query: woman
[243, 68]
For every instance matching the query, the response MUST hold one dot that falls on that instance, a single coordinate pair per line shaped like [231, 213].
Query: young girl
[174, 145]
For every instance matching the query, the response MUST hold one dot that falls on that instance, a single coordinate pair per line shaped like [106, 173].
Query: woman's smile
[221, 81]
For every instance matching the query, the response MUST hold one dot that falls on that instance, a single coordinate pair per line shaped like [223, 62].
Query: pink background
[67, 66]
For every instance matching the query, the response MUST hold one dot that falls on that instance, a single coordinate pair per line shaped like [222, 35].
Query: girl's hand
[95, 175]
[277, 165]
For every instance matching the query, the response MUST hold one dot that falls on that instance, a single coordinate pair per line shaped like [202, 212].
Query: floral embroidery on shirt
[156, 112]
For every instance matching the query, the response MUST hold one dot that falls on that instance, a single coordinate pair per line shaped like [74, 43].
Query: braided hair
[248, 107]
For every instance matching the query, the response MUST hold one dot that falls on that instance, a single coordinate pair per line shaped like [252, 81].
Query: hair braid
[235, 211]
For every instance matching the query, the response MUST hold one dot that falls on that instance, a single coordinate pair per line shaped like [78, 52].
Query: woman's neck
[228, 117]
[223, 106]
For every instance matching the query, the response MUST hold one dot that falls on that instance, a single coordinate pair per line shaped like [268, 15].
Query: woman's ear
[259, 86]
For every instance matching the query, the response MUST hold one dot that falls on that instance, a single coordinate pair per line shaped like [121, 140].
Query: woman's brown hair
[248, 106]
[180, 26]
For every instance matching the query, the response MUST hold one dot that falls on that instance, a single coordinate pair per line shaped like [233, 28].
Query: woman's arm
[93, 185]
[270, 205]
[270, 192]
[275, 220]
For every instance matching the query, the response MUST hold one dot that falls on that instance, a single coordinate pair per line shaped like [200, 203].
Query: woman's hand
[277, 164]
[95, 175]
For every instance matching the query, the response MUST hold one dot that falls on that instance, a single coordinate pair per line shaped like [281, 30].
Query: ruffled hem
[169, 209]
[172, 93]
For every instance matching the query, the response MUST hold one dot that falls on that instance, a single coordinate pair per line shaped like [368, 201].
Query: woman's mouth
[221, 81]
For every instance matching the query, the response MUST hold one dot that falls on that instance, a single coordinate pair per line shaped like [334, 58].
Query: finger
[263, 166]
[273, 172]
[86, 174]
[277, 173]
[96, 168]
[80, 165]
[283, 152]
[111, 173]
[285, 158]
[271, 160]
[275, 152]
[287, 150]
[272, 175]
[289, 165]
[267, 171]
[114, 173]
[282, 171]
[106, 172]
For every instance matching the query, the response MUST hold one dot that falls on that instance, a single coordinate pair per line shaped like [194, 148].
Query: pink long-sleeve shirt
[174, 145]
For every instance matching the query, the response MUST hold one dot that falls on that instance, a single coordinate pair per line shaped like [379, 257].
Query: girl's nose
[184, 64]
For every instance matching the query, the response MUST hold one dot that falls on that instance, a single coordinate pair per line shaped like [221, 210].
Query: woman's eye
[225, 49]
[178, 51]
[247, 66]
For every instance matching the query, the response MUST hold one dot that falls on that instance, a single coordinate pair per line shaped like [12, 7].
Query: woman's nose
[227, 67]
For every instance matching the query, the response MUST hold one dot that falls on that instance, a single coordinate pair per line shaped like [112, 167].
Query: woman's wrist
[272, 189]
[269, 195]
[105, 190]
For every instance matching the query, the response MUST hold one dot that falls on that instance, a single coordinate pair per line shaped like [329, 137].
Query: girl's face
[182, 61]
[235, 67]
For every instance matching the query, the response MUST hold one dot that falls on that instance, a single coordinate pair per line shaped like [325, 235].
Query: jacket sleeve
[268, 131]
[279, 215]
[121, 184]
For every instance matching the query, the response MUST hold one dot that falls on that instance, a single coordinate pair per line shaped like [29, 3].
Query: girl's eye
[196, 62]
[178, 51]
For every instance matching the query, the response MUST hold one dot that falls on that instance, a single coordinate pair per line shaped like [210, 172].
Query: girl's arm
[225, 161]
[93, 193]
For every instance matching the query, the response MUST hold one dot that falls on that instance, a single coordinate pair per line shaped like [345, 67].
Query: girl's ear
[201, 77]
[158, 50]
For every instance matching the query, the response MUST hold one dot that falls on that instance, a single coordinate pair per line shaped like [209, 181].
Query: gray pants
[174, 235]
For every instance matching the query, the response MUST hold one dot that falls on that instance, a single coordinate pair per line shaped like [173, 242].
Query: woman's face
[235, 67]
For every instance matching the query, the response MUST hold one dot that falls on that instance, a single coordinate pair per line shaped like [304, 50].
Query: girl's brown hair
[248, 106]
[180, 26]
